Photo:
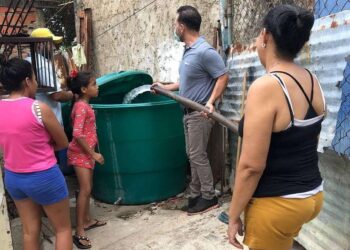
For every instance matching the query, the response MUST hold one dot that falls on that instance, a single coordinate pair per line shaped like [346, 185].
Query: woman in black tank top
[278, 183]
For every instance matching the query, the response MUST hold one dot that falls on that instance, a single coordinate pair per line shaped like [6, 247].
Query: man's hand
[156, 84]
[171, 86]
[211, 108]
[62, 96]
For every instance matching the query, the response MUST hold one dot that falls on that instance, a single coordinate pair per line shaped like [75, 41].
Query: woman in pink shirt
[29, 134]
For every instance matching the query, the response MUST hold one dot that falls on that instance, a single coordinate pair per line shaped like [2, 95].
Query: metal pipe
[5, 18]
[198, 107]
[26, 15]
[13, 14]
[229, 15]
[224, 12]
[14, 29]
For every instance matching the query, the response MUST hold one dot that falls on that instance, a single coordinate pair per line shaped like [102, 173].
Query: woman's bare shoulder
[264, 86]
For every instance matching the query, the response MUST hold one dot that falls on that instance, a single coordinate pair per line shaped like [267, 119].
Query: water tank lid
[122, 82]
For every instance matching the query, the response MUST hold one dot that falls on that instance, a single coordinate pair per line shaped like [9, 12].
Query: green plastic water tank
[142, 143]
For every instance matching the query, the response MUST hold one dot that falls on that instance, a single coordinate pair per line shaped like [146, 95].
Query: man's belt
[188, 111]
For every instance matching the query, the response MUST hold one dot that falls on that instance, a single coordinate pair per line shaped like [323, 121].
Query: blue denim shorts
[43, 187]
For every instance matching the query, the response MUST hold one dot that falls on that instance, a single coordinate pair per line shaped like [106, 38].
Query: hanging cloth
[78, 55]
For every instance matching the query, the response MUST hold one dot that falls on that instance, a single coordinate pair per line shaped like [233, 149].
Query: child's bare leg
[87, 212]
[84, 179]
[89, 220]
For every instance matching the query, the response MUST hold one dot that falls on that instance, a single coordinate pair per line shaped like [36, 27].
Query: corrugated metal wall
[326, 55]
[331, 229]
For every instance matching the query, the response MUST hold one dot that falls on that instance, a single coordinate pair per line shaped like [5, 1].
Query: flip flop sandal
[77, 241]
[96, 224]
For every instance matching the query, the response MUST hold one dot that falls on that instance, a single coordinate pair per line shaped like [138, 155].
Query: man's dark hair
[190, 17]
[290, 27]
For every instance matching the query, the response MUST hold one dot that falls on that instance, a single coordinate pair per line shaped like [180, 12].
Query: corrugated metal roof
[325, 55]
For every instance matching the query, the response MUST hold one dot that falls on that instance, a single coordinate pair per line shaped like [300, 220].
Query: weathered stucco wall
[142, 39]
[244, 31]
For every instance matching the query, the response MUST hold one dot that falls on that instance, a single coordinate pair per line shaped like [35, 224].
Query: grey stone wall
[248, 16]
[142, 39]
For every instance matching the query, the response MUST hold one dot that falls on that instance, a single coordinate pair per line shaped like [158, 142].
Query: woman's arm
[54, 128]
[258, 123]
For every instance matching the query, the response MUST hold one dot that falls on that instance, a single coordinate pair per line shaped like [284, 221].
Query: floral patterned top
[84, 126]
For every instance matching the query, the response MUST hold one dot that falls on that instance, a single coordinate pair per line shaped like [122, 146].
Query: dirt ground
[157, 226]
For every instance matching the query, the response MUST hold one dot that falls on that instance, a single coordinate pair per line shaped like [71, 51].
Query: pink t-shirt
[26, 144]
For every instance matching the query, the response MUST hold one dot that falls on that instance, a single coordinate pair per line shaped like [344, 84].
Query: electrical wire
[114, 26]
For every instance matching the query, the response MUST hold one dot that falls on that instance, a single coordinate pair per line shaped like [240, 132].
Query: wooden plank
[80, 14]
[244, 88]
[85, 36]
[88, 47]
[215, 39]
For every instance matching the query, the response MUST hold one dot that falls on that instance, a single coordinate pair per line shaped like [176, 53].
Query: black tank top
[292, 160]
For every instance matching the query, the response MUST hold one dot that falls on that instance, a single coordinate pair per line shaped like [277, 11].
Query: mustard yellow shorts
[271, 223]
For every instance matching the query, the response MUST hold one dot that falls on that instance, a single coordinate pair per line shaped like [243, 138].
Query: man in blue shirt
[203, 78]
